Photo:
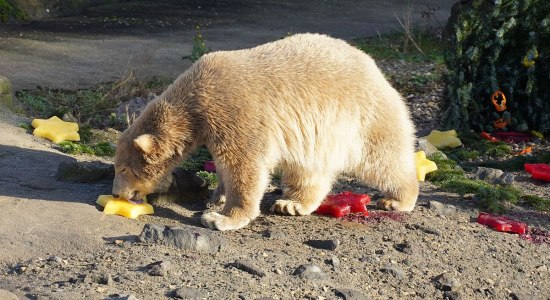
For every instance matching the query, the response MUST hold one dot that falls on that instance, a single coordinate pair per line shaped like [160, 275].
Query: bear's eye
[122, 170]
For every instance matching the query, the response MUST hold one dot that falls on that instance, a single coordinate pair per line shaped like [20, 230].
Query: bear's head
[155, 143]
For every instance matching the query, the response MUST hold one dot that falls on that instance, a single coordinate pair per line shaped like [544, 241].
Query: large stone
[181, 186]
[488, 174]
[446, 282]
[248, 266]
[188, 293]
[183, 237]
[348, 294]
[428, 148]
[84, 171]
[310, 272]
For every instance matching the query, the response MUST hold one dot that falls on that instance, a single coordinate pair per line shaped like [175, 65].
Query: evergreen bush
[500, 45]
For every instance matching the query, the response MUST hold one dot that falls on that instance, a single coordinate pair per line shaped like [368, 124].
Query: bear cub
[309, 104]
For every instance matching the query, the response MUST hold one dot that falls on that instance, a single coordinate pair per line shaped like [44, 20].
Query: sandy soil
[55, 243]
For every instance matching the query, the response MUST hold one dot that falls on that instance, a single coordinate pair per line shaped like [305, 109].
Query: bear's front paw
[217, 221]
[391, 204]
[290, 207]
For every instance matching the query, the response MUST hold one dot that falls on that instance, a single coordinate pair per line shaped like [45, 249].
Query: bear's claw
[217, 221]
[289, 207]
[390, 204]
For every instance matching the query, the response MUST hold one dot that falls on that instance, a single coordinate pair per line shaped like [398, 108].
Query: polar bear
[311, 105]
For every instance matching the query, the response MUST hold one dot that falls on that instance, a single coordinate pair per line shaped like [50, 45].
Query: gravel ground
[438, 251]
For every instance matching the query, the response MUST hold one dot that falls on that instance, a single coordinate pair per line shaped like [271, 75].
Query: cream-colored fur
[312, 105]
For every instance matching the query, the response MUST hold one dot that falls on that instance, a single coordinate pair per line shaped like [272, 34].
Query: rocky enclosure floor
[438, 251]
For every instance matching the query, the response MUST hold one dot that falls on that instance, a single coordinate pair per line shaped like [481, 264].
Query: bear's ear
[144, 143]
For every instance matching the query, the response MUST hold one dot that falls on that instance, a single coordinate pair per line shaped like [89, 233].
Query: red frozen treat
[488, 137]
[502, 223]
[539, 171]
[512, 137]
[343, 204]
[209, 166]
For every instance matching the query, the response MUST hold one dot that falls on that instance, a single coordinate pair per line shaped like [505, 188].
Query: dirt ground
[55, 243]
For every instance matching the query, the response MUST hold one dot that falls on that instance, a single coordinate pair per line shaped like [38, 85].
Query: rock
[310, 272]
[506, 178]
[248, 266]
[324, 244]
[183, 237]
[56, 260]
[396, 271]
[452, 295]
[188, 293]
[124, 297]
[6, 98]
[404, 247]
[441, 208]
[428, 148]
[334, 261]
[7, 295]
[445, 282]
[348, 294]
[159, 268]
[274, 234]
[525, 296]
[181, 186]
[84, 171]
[542, 269]
[106, 279]
[488, 174]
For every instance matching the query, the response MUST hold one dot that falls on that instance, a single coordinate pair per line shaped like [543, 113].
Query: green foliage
[8, 10]
[199, 47]
[392, 47]
[452, 178]
[211, 178]
[195, 162]
[537, 202]
[501, 47]
[85, 105]
[100, 149]
[28, 127]
[517, 163]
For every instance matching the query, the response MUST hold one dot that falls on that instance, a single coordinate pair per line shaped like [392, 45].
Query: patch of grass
[537, 202]
[195, 162]
[392, 47]
[517, 163]
[99, 149]
[211, 178]
[28, 127]
[451, 177]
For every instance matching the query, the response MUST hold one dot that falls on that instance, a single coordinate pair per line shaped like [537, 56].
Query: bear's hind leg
[400, 187]
[244, 189]
[304, 193]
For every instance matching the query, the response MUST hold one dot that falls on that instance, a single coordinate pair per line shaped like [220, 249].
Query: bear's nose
[115, 195]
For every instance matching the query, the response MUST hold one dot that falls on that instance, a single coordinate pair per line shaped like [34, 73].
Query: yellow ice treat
[121, 207]
[423, 165]
[444, 139]
[55, 129]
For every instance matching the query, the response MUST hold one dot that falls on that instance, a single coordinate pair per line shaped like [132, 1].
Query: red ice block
[512, 137]
[539, 171]
[344, 203]
[502, 223]
[209, 166]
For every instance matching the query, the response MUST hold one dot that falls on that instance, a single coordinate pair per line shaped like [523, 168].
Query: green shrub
[502, 46]
[9, 10]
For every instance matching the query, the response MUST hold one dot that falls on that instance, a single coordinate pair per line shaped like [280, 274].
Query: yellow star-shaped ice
[55, 129]
[443, 139]
[121, 207]
[423, 165]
